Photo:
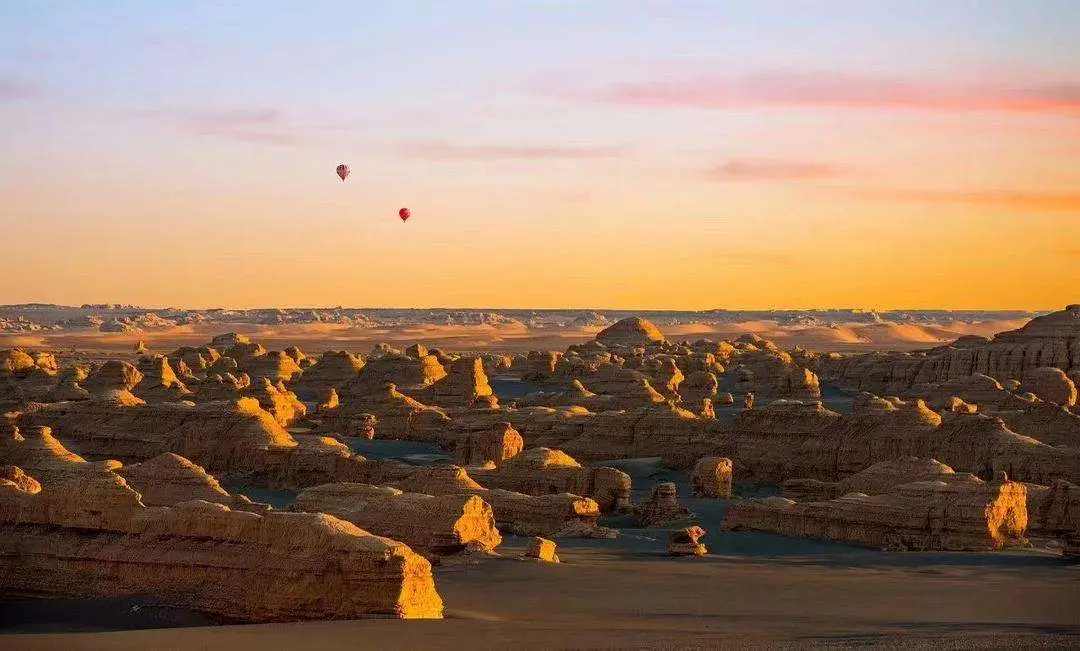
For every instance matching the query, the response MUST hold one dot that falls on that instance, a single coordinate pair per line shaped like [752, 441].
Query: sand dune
[507, 337]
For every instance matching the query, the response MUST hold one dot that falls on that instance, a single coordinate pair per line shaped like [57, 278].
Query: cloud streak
[840, 91]
[15, 90]
[994, 199]
[771, 169]
[260, 126]
[440, 151]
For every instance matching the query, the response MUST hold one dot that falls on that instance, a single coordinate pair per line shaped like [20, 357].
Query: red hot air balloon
[404, 214]
[343, 171]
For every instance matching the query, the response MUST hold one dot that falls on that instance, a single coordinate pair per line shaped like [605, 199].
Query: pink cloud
[1007, 199]
[14, 90]
[771, 169]
[840, 90]
[456, 152]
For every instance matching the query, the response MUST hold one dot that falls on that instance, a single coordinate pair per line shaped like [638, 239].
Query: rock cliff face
[445, 524]
[1054, 510]
[1052, 340]
[961, 514]
[90, 536]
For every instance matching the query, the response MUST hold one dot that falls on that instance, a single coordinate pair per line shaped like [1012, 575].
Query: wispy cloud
[15, 90]
[771, 169]
[457, 152]
[998, 199]
[841, 90]
[262, 126]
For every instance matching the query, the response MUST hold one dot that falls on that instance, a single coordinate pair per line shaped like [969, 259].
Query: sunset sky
[608, 154]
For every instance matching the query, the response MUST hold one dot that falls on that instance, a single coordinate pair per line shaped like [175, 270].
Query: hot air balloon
[343, 171]
[404, 214]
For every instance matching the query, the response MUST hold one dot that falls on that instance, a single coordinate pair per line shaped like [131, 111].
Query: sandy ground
[508, 338]
[597, 599]
[753, 590]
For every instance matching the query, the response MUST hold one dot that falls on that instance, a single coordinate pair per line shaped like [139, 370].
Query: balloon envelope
[343, 171]
[404, 214]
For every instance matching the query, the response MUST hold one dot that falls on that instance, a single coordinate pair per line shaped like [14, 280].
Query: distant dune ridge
[111, 327]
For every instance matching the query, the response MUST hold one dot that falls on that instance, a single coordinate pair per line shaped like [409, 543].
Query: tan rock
[398, 415]
[962, 514]
[445, 524]
[277, 400]
[542, 549]
[93, 538]
[553, 515]
[112, 375]
[711, 477]
[685, 542]
[465, 385]
[493, 445]
[334, 368]
[631, 331]
[169, 479]
[544, 471]
[159, 381]
[20, 479]
[275, 366]
[1050, 384]
[662, 508]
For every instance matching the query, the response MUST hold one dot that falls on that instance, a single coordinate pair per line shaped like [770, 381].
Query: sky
[622, 154]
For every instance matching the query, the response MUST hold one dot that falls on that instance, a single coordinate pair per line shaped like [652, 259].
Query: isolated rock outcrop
[686, 542]
[90, 536]
[443, 524]
[711, 477]
[662, 508]
[542, 549]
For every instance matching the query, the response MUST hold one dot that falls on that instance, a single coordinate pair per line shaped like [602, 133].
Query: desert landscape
[633, 488]
[539, 325]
